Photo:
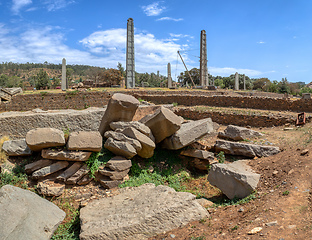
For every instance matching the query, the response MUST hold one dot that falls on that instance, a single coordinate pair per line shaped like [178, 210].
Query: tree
[4, 79]
[219, 83]
[121, 69]
[42, 80]
[185, 78]
[261, 84]
[283, 86]
[56, 82]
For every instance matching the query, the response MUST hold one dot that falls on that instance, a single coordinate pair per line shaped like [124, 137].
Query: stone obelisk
[244, 82]
[64, 82]
[203, 60]
[169, 76]
[130, 68]
[236, 85]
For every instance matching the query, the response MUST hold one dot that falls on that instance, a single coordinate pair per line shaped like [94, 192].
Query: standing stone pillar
[236, 85]
[169, 76]
[244, 82]
[130, 69]
[203, 59]
[213, 81]
[64, 82]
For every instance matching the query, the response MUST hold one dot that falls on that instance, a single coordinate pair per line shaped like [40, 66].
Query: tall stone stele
[64, 82]
[130, 66]
[236, 85]
[169, 76]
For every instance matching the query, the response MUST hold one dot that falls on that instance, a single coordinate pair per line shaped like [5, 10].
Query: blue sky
[268, 38]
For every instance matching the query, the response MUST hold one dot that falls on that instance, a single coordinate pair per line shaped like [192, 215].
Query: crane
[186, 69]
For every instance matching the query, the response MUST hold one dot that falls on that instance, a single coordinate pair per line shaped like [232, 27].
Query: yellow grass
[3, 156]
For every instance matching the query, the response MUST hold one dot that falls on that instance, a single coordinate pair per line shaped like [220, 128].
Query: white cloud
[18, 4]
[261, 42]
[153, 9]
[53, 5]
[170, 19]
[226, 71]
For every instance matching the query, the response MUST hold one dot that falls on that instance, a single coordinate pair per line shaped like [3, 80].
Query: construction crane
[186, 69]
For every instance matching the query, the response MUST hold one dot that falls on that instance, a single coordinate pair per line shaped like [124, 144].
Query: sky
[267, 38]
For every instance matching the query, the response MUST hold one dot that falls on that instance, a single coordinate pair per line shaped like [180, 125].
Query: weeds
[221, 157]
[3, 156]
[235, 201]
[175, 104]
[285, 193]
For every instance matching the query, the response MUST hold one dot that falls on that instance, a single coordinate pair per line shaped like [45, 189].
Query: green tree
[4, 79]
[219, 82]
[283, 86]
[42, 80]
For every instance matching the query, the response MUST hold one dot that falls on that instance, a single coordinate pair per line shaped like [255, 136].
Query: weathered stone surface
[148, 144]
[188, 134]
[163, 123]
[135, 124]
[114, 175]
[122, 137]
[119, 163]
[200, 164]
[84, 170]
[40, 138]
[121, 107]
[69, 171]
[196, 153]
[16, 148]
[120, 148]
[108, 183]
[25, 215]
[204, 202]
[139, 213]
[244, 149]
[34, 166]
[238, 133]
[6, 167]
[50, 188]
[65, 155]
[86, 179]
[85, 141]
[234, 179]
[49, 169]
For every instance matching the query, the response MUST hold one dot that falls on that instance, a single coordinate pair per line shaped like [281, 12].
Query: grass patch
[98, 159]
[3, 156]
[15, 176]
[221, 157]
[235, 201]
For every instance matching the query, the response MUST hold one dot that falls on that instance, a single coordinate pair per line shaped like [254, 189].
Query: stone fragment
[86, 179]
[121, 107]
[204, 202]
[85, 141]
[163, 123]
[200, 164]
[49, 169]
[244, 149]
[148, 144]
[25, 215]
[78, 175]
[270, 224]
[197, 154]
[236, 133]
[234, 179]
[255, 230]
[40, 138]
[188, 133]
[304, 152]
[16, 148]
[135, 124]
[119, 163]
[50, 188]
[69, 171]
[7, 167]
[106, 182]
[114, 175]
[122, 137]
[139, 213]
[65, 155]
[31, 167]
[120, 148]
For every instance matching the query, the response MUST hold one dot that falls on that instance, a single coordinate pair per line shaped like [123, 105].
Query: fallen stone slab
[234, 179]
[49, 169]
[114, 175]
[40, 138]
[188, 133]
[244, 149]
[50, 188]
[163, 123]
[16, 148]
[34, 166]
[85, 141]
[196, 153]
[120, 148]
[122, 137]
[121, 107]
[25, 215]
[119, 163]
[65, 155]
[86, 179]
[236, 133]
[147, 144]
[84, 170]
[69, 171]
[139, 213]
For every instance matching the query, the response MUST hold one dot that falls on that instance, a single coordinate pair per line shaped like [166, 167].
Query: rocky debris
[121, 107]
[234, 179]
[304, 152]
[50, 188]
[50, 169]
[16, 148]
[7, 167]
[65, 155]
[84, 170]
[122, 137]
[148, 145]
[85, 141]
[135, 124]
[200, 164]
[86, 179]
[120, 148]
[195, 153]
[204, 202]
[114, 175]
[163, 123]
[236, 133]
[69, 171]
[244, 149]
[106, 182]
[25, 215]
[255, 231]
[34, 166]
[139, 213]
[188, 133]
[13, 91]
[119, 163]
[40, 138]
